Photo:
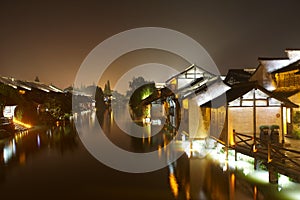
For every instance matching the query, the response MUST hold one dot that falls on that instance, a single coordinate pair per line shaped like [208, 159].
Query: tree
[137, 97]
[37, 79]
[99, 98]
[135, 84]
[107, 90]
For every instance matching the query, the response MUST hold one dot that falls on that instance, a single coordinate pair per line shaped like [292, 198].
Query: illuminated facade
[288, 84]
[256, 107]
[265, 72]
[282, 77]
[182, 85]
[194, 87]
[248, 107]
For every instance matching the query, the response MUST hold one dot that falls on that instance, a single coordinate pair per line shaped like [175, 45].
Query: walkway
[284, 159]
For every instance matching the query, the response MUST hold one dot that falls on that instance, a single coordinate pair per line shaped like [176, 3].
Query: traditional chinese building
[181, 100]
[282, 77]
[251, 106]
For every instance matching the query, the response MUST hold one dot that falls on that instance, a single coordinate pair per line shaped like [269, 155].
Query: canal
[53, 163]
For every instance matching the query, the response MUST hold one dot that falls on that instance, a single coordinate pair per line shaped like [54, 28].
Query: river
[53, 163]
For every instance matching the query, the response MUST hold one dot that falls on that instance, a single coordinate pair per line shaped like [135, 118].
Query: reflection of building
[192, 178]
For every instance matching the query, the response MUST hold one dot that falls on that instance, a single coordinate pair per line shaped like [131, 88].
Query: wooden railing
[285, 159]
[240, 138]
[288, 157]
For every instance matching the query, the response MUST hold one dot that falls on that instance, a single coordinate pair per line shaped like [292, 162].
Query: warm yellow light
[232, 185]
[288, 115]
[231, 141]
[187, 192]
[22, 158]
[21, 123]
[174, 81]
[254, 192]
[21, 91]
[185, 104]
[159, 151]
[173, 184]
[284, 116]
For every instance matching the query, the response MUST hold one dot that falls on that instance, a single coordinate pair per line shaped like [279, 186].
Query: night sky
[50, 39]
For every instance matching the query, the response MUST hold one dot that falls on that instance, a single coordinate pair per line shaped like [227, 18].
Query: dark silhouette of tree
[37, 79]
[99, 98]
[107, 90]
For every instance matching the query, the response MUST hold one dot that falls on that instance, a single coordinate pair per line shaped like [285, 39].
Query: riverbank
[19, 130]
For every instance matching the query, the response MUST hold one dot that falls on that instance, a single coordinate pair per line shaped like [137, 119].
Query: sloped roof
[188, 69]
[200, 88]
[239, 75]
[291, 67]
[239, 90]
[214, 89]
[286, 92]
[273, 58]
[187, 86]
[28, 85]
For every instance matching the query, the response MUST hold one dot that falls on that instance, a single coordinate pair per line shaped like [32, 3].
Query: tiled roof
[239, 90]
[291, 67]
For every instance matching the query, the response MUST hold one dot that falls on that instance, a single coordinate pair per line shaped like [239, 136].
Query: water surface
[52, 163]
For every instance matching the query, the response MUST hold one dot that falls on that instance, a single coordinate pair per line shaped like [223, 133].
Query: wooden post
[227, 133]
[191, 148]
[233, 136]
[226, 150]
[254, 118]
[269, 153]
[255, 163]
[282, 125]
[273, 174]
[254, 129]
[235, 153]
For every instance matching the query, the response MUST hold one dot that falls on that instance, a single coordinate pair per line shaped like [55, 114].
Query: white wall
[241, 118]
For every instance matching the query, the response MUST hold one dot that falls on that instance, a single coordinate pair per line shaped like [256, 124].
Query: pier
[276, 157]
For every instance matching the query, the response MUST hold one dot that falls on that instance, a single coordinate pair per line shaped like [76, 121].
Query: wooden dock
[276, 157]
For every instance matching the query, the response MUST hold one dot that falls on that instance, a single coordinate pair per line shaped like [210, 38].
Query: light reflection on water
[53, 161]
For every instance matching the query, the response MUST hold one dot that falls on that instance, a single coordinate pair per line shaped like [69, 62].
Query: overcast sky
[50, 39]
